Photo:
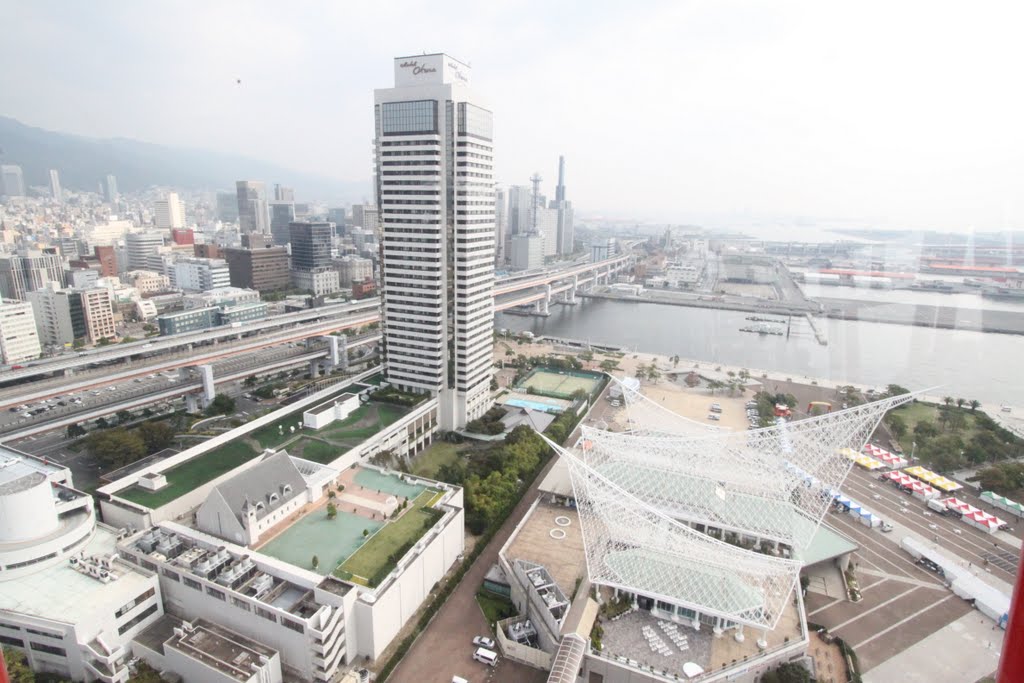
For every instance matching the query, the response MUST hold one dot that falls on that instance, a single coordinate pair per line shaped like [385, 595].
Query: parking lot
[902, 602]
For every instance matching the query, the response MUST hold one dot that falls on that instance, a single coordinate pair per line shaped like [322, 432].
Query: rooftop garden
[193, 473]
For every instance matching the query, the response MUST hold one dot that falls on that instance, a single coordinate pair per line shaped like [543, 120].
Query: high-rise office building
[58, 315]
[500, 226]
[19, 341]
[201, 274]
[282, 213]
[367, 217]
[29, 270]
[140, 246]
[311, 245]
[110, 189]
[564, 228]
[284, 194]
[311, 258]
[520, 209]
[12, 181]
[338, 216]
[257, 265]
[55, 190]
[99, 314]
[252, 206]
[107, 258]
[526, 251]
[435, 190]
[170, 212]
[227, 207]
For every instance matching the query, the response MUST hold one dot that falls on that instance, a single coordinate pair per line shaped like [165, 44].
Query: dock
[819, 333]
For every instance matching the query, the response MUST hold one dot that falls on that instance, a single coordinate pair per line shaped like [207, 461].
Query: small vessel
[758, 319]
[763, 330]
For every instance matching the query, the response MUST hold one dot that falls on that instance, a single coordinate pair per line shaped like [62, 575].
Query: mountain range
[83, 162]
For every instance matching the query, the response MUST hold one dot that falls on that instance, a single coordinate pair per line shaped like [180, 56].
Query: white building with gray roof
[247, 505]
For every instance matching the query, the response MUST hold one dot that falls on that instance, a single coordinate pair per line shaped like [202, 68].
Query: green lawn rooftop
[192, 474]
[394, 538]
[330, 443]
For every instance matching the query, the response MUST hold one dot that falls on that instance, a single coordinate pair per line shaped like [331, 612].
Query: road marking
[912, 582]
[826, 606]
[903, 621]
[876, 607]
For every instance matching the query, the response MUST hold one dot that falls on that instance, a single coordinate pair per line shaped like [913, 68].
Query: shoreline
[631, 359]
[850, 310]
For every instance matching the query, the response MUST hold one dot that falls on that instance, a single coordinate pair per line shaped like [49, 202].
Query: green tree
[790, 672]
[222, 404]
[250, 381]
[115, 447]
[897, 426]
[104, 341]
[948, 400]
[714, 385]
[332, 511]
[123, 417]
[17, 666]
[974, 404]
[960, 402]
[101, 423]
[944, 452]
[924, 430]
[156, 435]
[315, 563]
[609, 364]
[74, 431]
[653, 374]
[896, 390]
[78, 343]
[957, 421]
[128, 340]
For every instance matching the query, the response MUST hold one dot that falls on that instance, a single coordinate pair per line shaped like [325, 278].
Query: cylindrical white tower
[27, 509]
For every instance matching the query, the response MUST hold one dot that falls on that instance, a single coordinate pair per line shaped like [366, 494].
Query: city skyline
[796, 111]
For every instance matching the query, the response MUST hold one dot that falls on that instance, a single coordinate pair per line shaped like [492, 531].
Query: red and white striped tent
[984, 521]
[960, 506]
[891, 459]
[922, 491]
[899, 478]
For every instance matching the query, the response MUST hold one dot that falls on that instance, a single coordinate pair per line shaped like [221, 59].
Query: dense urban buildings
[435, 192]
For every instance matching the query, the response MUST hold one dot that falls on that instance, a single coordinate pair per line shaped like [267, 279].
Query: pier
[819, 333]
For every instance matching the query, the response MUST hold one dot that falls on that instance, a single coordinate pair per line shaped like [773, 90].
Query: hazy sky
[890, 113]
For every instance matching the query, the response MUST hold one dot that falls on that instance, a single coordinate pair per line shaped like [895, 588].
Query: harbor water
[972, 365]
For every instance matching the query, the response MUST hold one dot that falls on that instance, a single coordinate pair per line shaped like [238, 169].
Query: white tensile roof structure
[641, 493]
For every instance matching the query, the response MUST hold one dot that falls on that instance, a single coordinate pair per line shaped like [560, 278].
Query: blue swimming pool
[532, 405]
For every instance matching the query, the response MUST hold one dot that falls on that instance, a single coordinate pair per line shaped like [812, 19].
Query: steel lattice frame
[637, 492]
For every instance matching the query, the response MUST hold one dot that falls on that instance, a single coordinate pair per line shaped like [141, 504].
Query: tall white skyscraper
[435, 190]
[170, 212]
[110, 189]
[500, 226]
[55, 190]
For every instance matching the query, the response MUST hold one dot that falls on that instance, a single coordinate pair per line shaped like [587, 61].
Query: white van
[488, 657]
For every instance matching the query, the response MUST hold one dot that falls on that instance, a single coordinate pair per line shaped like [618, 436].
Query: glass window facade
[475, 121]
[408, 117]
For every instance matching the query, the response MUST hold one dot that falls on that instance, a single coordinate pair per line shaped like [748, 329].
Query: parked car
[712, 416]
[886, 527]
[484, 641]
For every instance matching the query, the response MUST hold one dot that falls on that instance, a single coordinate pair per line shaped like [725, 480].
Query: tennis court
[560, 383]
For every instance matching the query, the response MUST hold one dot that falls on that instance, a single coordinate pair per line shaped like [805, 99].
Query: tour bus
[488, 657]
